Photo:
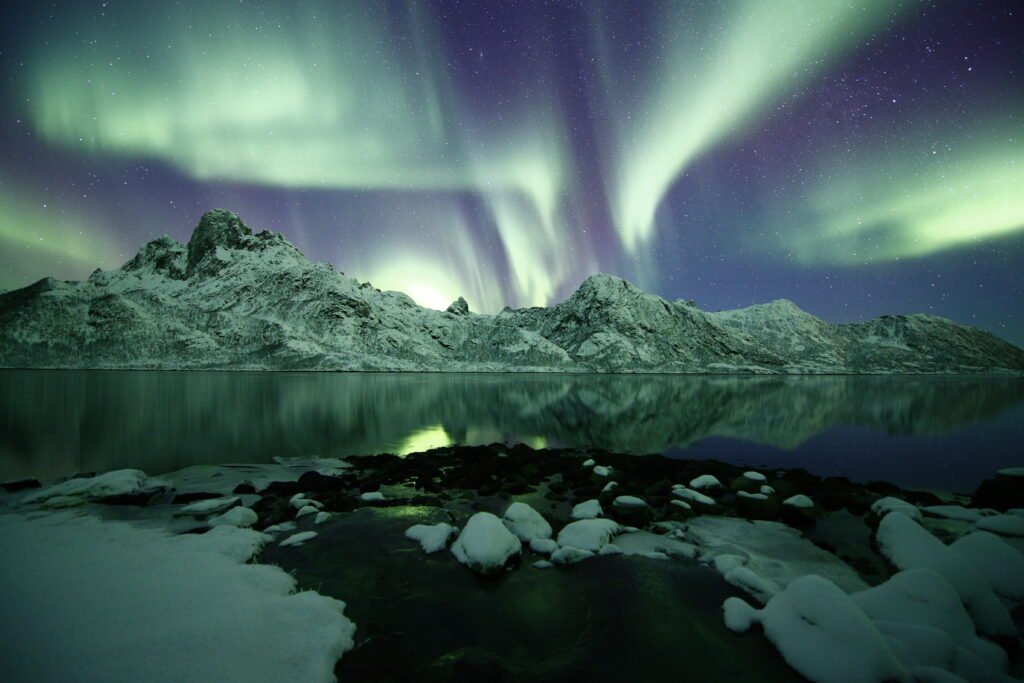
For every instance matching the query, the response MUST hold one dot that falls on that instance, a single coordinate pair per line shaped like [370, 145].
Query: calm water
[947, 433]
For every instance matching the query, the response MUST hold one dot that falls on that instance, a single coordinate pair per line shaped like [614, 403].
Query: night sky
[859, 157]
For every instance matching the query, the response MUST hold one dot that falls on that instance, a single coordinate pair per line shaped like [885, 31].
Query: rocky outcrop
[234, 299]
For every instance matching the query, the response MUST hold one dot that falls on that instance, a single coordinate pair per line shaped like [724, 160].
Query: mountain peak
[217, 228]
[603, 286]
[459, 307]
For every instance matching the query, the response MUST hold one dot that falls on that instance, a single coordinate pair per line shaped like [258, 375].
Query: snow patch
[431, 538]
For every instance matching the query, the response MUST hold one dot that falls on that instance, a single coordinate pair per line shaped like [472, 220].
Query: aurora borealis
[856, 156]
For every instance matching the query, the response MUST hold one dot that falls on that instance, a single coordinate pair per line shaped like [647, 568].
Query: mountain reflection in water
[53, 423]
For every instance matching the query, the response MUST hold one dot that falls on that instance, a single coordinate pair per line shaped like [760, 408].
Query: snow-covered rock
[321, 517]
[371, 497]
[543, 546]
[955, 512]
[822, 633]
[485, 544]
[995, 559]
[883, 506]
[299, 538]
[588, 534]
[306, 510]
[927, 625]
[751, 496]
[774, 552]
[610, 486]
[602, 471]
[588, 509]
[589, 462]
[755, 476]
[629, 502]
[799, 501]
[431, 538]
[107, 485]
[234, 299]
[526, 523]
[691, 495]
[210, 506]
[705, 481]
[241, 517]
[646, 544]
[908, 545]
[1004, 525]
[570, 555]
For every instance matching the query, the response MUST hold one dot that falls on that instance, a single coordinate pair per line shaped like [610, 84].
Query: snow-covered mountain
[234, 299]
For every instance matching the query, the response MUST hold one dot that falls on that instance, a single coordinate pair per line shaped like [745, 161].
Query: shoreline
[365, 502]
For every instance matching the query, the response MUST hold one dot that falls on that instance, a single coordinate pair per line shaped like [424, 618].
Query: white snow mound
[431, 537]
[526, 523]
[191, 608]
[485, 544]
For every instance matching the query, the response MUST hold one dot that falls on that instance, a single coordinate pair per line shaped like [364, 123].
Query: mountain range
[233, 299]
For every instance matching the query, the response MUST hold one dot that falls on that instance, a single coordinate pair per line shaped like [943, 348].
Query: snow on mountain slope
[234, 299]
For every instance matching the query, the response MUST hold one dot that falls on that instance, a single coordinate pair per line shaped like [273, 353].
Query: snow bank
[431, 538]
[883, 506]
[109, 601]
[588, 509]
[910, 604]
[646, 544]
[821, 633]
[773, 551]
[241, 517]
[1004, 525]
[955, 512]
[908, 545]
[705, 481]
[485, 544]
[298, 539]
[995, 559]
[543, 546]
[106, 485]
[321, 517]
[526, 523]
[587, 534]
[210, 506]
[690, 494]
[570, 555]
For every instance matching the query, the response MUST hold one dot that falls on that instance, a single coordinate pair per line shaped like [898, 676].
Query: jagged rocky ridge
[234, 299]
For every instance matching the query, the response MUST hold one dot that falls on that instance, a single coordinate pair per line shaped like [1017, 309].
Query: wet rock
[20, 485]
[1002, 492]
[192, 497]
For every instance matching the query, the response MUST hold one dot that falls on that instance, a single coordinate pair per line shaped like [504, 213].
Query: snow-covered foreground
[86, 599]
[172, 595]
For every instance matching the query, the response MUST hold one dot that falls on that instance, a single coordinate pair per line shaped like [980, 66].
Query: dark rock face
[459, 307]
[217, 228]
[234, 299]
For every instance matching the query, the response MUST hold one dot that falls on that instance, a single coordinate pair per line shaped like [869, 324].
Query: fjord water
[946, 433]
